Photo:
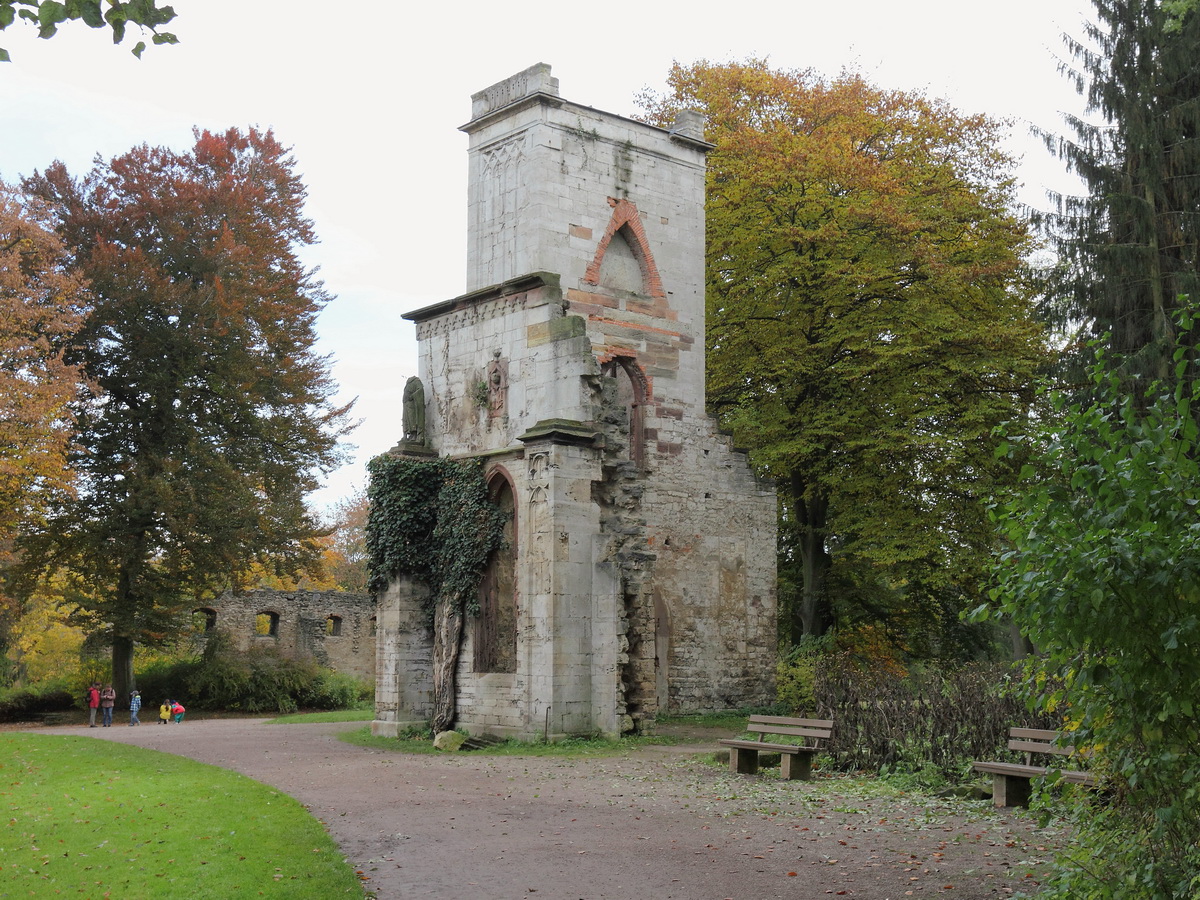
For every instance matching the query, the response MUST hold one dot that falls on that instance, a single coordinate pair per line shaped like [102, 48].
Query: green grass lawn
[337, 715]
[419, 741]
[99, 819]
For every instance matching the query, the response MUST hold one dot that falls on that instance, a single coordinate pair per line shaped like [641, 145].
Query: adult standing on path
[108, 699]
[135, 706]
[93, 700]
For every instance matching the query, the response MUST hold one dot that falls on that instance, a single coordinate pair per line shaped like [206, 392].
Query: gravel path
[657, 823]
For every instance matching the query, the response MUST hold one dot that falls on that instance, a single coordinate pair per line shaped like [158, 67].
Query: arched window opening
[333, 626]
[631, 395]
[204, 619]
[374, 626]
[496, 626]
[266, 624]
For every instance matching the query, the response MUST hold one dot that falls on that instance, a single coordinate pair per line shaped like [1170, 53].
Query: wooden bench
[796, 760]
[1012, 782]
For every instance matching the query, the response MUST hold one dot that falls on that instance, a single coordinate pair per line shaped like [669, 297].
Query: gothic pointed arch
[633, 393]
[495, 640]
[626, 223]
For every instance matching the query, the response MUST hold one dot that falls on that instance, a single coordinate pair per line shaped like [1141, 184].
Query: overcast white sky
[370, 95]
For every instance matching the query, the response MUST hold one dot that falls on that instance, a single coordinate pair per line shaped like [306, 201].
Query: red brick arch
[625, 218]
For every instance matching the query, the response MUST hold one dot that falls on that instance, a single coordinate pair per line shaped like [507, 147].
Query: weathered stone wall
[645, 549]
[404, 652]
[301, 630]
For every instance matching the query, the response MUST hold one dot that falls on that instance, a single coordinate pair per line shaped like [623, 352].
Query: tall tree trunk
[1022, 646]
[447, 641]
[122, 666]
[1160, 328]
[811, 509]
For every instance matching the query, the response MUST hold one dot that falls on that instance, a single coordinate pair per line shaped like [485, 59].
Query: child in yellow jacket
[164, 713]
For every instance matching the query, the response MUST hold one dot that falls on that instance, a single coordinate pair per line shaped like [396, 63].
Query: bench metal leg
[1010, 790]
[797, 766]
[742, 761]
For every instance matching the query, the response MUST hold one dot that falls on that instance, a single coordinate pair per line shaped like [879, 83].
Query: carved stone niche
[497, 386]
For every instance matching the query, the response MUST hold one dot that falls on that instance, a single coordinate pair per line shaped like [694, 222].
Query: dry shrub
[935, 718]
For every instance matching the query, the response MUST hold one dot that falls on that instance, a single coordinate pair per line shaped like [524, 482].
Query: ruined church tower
[639, 574]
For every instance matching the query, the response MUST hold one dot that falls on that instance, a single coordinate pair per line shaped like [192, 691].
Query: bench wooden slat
[784, 729]
[796, 758]
[1019, 771]
[1037, 734]
[827, 724]
[770, 748]
[1038, 747]
[1011, 781]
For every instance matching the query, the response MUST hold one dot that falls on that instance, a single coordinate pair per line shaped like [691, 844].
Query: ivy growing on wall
[431, 519]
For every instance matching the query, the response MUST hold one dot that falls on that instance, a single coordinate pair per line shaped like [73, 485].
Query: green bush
[1102, 572]
[337, 690]
[24, 704]
[795, 680]
[258, 680]
[163, 677]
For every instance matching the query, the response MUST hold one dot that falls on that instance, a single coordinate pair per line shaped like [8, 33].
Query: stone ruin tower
[639, 575]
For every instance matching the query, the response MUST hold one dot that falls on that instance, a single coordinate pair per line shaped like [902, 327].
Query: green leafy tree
[1130, 247]
[867, 328]
[212, 417]
[1103, 573]
[116, 15]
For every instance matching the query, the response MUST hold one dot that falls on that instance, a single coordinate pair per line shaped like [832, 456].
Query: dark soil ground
[659, 822]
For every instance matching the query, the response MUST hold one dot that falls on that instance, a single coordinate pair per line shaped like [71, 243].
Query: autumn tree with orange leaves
[867, 328]
[40, 303]
[213, 414]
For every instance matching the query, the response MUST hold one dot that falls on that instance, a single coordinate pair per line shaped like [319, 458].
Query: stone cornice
[529, 282]
[562, 431]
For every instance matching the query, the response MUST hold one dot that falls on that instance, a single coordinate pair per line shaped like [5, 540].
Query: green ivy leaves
[432, 520]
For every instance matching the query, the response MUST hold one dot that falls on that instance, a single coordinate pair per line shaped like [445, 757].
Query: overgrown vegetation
[431, 519]
[931, 721]
[221, 677]
[258, 680]
[1103, 574]
[28, 703]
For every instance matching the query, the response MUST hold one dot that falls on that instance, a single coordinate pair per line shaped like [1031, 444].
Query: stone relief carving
[497, 385]
[539, 465]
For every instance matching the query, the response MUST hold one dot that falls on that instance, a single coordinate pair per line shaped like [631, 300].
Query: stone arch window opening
[333, 626]
[633, 390]
[204, 619]
[495, 636]
[266, 624]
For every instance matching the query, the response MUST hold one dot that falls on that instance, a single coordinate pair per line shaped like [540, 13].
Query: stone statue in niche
[497, 385]
[414, 411]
